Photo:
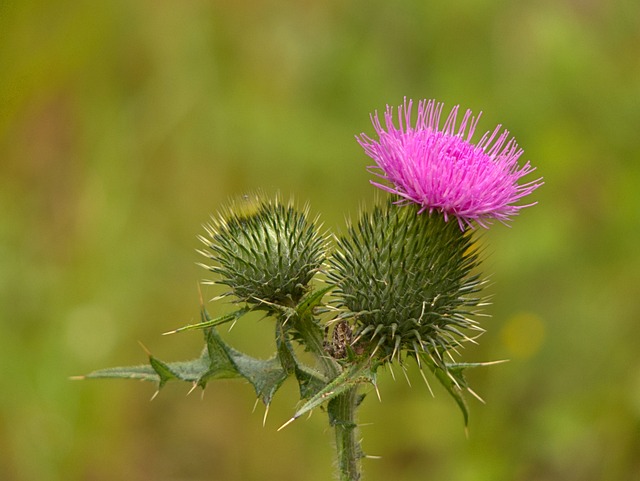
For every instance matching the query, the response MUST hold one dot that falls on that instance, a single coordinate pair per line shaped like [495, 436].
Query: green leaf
[309, 380]
[451, 376]
[356, 374]
[305, 305]
[266, 376]
[208, 322]
[311, 300]
[163, 370]
[217, 353]
[453, 388]
[284, 349]
[220, 361]
[142, 372]
[194, 371]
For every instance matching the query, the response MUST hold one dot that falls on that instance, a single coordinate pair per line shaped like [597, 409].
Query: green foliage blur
[125, 124]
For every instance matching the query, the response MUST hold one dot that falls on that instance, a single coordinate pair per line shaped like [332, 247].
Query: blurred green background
[125, 124]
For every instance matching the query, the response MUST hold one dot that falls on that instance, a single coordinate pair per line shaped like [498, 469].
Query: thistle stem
[342, 415]
[341, 409]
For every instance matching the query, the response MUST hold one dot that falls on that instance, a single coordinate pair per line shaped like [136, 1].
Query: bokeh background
[125, 124]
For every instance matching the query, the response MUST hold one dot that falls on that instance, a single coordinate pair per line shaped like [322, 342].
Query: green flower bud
[266, 252]
[406, 281]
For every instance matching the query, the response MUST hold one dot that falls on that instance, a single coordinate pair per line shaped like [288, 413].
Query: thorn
[451, 358]
[255, 405]
[193, 388]
[366, 330]
[266, 413]
[375, 350]
[394, 327]
[395, 347]
[450, 376]
[287, 423]
[375, 386]
[170, 332]
[433, 359]
[217, 298]
[491, 363]
[376, 331]
[393, 375]
[76, 378]
[424, 305]
[144, 348]
[372, 456]
[472, 340]
[424, 377]
[154, 395]
[357, 338]
[466, 432]
[200, 295]
[406, 376]
[418, 359]
[474, 394]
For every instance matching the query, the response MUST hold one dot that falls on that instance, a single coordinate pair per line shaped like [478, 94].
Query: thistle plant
[402, 284]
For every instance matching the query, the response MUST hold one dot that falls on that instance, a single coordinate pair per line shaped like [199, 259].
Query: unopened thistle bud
[407, 282]
[265, 251]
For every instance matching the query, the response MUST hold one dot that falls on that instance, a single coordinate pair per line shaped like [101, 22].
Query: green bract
[265, 251]
[407, 282]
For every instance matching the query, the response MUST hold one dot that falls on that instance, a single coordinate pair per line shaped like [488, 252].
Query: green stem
[342, 408]
[342, 415]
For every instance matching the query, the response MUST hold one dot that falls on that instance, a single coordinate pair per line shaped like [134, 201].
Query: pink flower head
[441, 170]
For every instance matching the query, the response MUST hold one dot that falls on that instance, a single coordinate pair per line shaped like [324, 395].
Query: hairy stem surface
[342, 415]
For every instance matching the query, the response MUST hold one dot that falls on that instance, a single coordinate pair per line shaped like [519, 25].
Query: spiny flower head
[406, 282]
[265, 251]
[440, 169]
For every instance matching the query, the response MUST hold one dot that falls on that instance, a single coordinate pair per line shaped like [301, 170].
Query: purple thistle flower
[441, 170]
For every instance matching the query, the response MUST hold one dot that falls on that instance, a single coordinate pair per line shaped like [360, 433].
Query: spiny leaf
[451, 376]
[356, 374]
[195, 371]
[309, 380]
[311, 300]
[142, 372]
[218, 361]
[208, 322]
[266, 376]
[218, 355]
[453, 389]
[163, 370]
[285, 351]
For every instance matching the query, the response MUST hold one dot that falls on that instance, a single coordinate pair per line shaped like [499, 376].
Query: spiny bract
[265, 251]
[406, 280]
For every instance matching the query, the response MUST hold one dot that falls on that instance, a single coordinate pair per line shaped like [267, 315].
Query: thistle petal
[440, 169]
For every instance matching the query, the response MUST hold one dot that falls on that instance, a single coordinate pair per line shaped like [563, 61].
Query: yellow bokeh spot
[523, 335]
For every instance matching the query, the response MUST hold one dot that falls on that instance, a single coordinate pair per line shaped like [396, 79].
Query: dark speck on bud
[407, 283]
[264, 251]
